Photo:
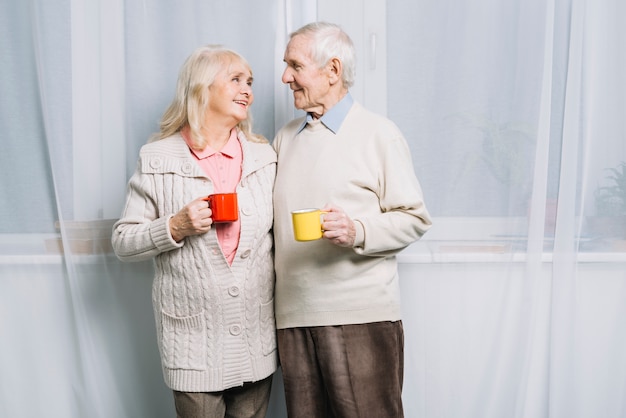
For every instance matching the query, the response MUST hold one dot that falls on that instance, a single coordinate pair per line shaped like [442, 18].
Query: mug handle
[322, 213]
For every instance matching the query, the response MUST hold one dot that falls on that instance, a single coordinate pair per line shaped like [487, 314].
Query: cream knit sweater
[215, 322]
[366, 169]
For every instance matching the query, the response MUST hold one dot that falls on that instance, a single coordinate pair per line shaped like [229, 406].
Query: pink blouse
[224, 169]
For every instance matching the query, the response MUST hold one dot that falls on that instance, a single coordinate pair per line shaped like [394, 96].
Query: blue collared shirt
[335, 115]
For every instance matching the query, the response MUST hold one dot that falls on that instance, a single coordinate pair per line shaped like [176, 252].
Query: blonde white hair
[192, 95]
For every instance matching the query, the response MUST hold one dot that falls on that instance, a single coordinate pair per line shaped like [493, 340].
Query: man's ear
[335, 69]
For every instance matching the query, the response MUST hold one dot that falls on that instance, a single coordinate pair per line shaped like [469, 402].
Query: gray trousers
[348, 371]
[248, 401]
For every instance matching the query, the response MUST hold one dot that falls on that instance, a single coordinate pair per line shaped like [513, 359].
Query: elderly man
[340, 337]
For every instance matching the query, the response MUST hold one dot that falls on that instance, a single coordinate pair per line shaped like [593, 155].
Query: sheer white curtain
[514, 112]
[84, 84]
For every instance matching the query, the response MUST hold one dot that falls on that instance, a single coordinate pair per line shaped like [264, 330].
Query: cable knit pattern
[215, 322]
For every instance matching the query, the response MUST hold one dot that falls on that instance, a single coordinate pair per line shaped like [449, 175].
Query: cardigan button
[187, 167]
[233, 291]
[235, 329]
[156, 163]
[245, 254]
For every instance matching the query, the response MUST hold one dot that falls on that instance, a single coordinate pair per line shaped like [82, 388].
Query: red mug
[224, 207]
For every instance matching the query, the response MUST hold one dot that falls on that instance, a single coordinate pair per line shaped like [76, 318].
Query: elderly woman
[214, 282]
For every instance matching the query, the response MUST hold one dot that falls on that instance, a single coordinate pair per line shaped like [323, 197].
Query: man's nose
[287, 76]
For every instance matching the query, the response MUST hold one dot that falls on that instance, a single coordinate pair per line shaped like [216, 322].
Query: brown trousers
[248, 401]
[349, 371]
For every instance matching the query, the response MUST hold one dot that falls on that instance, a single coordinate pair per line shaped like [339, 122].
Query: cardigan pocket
[268, 327]
[184, 342]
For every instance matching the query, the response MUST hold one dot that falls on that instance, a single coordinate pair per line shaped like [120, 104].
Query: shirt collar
[335, 116]
[231, 149]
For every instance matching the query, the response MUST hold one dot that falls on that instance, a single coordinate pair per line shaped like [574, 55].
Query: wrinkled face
[310, 84]
[231, 93]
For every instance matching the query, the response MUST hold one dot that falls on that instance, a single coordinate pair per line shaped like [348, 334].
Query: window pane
[464, 86]
[26, 185]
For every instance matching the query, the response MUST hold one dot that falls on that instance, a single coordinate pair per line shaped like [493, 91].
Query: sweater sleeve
[140, 234]
[403, 217]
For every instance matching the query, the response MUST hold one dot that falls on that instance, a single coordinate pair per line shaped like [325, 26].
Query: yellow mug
[307, 224]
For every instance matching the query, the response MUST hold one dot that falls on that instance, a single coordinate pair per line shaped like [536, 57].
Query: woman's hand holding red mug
[193, 219]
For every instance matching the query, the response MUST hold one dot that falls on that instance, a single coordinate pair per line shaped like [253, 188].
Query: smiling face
[312, 86]
[231, 94]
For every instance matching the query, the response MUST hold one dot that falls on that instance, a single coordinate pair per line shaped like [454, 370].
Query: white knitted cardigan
[215, 322]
